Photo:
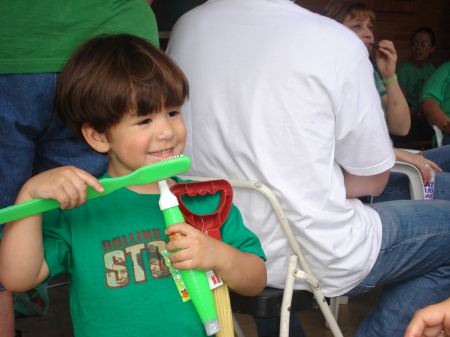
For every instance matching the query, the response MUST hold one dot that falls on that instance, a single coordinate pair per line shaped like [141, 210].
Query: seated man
[269, 103]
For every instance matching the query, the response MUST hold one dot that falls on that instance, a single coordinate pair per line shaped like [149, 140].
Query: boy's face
[137, 141]
[363, 27]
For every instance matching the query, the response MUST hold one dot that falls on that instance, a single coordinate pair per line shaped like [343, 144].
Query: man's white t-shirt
[286, 97]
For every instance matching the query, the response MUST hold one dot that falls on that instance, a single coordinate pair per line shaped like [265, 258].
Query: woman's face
[363, 27]
[421, 47]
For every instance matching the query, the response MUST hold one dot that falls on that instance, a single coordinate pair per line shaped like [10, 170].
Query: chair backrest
[305, 273]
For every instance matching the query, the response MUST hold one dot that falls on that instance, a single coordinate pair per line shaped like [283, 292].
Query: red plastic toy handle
[207, 223]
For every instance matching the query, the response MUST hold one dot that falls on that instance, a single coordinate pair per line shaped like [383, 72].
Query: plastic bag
[33, 302]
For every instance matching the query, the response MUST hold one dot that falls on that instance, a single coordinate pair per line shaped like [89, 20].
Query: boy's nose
[165, 129]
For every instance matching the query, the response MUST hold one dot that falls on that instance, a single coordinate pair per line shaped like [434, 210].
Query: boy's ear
[98, 141]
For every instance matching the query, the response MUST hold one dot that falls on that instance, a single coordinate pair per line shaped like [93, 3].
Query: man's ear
[98, 141]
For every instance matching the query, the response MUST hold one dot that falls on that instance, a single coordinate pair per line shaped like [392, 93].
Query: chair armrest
[415, 179]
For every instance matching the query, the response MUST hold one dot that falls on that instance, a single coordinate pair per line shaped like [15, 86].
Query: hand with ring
[386, 57]
[422, 164]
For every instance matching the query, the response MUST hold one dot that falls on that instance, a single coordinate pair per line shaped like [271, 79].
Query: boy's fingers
[91, 181]
[181, 227]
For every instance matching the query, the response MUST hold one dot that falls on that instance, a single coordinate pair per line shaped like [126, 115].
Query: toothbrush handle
[38, 205]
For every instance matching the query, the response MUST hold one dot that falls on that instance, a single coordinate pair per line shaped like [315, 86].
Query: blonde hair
[340, 9]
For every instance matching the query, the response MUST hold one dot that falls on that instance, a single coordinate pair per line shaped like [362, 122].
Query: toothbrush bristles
[165, 159]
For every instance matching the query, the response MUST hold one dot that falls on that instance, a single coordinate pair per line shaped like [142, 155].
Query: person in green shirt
[123, 96]
[412, 75]
[435, 100]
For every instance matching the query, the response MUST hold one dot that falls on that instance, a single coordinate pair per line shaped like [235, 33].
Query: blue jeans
[413, 265]
[397, 187]
[33, 138]
[445, 139]
[270, 326]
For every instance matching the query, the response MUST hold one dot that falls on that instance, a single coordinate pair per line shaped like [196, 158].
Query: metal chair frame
[305, 272]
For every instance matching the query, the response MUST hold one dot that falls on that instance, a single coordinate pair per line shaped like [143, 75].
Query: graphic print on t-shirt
[133, 258]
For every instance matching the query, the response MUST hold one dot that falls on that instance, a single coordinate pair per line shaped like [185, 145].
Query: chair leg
[335, 302]
[237, 328]
[320, 298]
[287, 296]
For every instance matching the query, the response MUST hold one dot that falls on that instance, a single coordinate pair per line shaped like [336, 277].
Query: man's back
[273, 88]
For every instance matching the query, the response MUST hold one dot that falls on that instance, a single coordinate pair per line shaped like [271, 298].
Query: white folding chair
[415, 179]
[304, 272]
[439, 135]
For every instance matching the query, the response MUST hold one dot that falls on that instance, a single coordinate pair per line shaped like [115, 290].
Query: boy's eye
[173, 113]
[356, 27]
[144, 121]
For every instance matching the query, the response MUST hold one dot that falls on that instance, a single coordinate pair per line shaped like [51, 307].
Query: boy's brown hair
[339, 9]
[110, 76]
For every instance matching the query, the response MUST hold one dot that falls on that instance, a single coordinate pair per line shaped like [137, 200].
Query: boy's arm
[245, 273]
[22, 261]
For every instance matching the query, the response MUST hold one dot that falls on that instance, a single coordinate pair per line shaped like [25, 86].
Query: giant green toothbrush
[144, 175]
[196, 282]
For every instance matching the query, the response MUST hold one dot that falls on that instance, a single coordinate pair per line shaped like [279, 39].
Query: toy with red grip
[207, 223]
[210, 224]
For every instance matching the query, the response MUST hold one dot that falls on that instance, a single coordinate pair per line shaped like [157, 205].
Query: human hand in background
[386, 57]
[432, 321]
[421, 163]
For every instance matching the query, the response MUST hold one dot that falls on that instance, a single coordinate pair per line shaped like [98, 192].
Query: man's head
[109, 77]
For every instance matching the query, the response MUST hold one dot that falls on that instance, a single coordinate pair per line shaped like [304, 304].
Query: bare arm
[359, 186]
[22, 255]
[21, 251]
[398, 115]
[435, 114]
[243, 272]
[430, 321]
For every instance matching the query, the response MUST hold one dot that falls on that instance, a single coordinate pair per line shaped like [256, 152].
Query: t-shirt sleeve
[437, 84]
[362, 144]
[379, 84]
[236, 234]
[57, 242]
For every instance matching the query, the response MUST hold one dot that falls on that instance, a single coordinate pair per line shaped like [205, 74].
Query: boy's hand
[66, 184]
[198, 250]
[245, 273]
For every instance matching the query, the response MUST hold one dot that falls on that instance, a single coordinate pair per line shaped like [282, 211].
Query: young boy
[123, 96]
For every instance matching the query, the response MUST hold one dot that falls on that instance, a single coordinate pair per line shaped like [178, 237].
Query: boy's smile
[137, 141]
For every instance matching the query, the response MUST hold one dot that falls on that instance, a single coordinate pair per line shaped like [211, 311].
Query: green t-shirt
[39, 36]
[119, 285]
[438, 87]
[379, 84]
[413, 79]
